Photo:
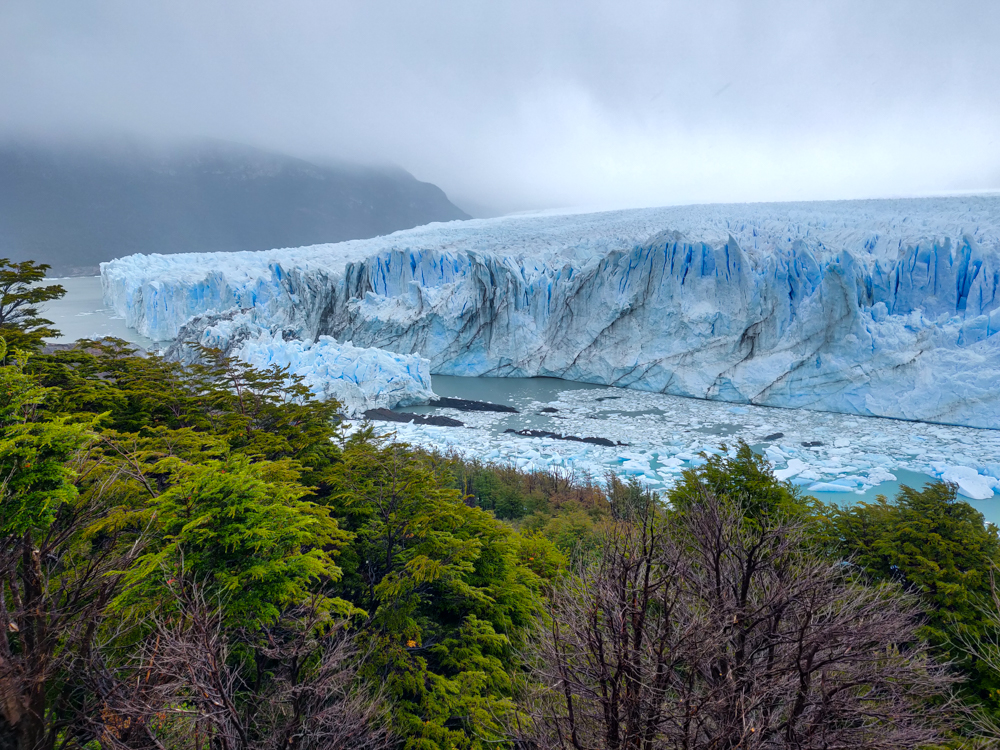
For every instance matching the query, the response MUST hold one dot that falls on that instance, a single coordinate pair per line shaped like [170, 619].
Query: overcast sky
[518, 105]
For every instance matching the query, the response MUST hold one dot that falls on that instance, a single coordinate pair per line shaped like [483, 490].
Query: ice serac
[878, 308]
[359, 378]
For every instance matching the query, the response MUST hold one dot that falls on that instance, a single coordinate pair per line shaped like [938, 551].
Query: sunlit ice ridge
[877, 308]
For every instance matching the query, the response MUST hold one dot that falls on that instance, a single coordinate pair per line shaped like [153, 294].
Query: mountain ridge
[76, 205]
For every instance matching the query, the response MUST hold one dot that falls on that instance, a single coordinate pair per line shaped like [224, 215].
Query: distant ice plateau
[883, 308]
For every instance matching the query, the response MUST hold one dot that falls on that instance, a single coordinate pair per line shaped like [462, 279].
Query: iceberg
[875, 308]
[970, 482]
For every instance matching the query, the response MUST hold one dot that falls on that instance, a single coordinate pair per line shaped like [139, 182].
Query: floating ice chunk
[850, 481]
[775, 454]
[795, 466]
[970, 482]
[829, 487]
[634, 467]
[878, 475]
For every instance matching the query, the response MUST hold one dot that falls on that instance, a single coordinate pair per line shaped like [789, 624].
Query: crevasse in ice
[877, 308]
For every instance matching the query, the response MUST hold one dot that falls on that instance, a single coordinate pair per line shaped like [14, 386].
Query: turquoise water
[990, 508]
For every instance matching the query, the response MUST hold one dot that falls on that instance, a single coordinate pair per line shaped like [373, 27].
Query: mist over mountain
[75, 205]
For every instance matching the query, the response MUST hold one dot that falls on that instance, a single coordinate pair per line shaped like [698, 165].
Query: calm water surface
[82, 314]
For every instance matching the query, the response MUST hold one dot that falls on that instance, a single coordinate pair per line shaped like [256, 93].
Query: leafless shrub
[192, 685]
[707, 632]
[984, 647]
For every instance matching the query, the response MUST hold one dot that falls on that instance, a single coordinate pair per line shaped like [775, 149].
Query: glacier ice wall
[359, 378]
[878, 308]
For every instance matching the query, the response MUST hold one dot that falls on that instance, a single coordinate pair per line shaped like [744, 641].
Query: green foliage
[542, 556]
[59, 548]
[571, 529]
[446, 591]
[20, 324]
[35, 472]
[744, 481]
[937, 547]
[563, 509]
[234, 482]
[244, 530]
[20, 394]
[263, 414]
[504, 500]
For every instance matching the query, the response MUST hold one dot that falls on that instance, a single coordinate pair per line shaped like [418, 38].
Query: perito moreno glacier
[877, 308]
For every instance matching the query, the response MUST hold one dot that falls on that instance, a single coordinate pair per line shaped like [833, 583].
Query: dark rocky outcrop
[463, 404]
[388, 415]
[556, 436]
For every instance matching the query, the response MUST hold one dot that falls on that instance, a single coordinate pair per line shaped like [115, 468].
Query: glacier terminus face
[877, 308]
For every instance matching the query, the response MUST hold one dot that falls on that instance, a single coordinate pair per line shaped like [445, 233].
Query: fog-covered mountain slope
[73, 206]
[885, 308]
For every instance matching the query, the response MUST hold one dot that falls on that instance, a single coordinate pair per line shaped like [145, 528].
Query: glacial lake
[655, 436]
[82, 314]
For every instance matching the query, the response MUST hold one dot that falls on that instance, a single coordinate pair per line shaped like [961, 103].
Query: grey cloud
[530, 104]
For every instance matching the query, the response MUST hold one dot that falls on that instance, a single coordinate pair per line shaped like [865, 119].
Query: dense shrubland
[157, 519]
[203, 557]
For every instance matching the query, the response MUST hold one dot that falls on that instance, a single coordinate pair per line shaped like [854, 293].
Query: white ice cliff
[359, 378]
[877, 308]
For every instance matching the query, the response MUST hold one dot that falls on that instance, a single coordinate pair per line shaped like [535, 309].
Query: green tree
[59, 557]
[744, 480]
[448, 590]
[245, 533]
[938, 548]
[20, 292]
[492, 493]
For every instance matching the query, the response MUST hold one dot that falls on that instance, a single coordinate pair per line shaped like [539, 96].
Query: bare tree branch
[705, 632]
[193, 681]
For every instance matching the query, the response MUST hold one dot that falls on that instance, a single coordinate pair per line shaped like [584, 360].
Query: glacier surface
[876, 308]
